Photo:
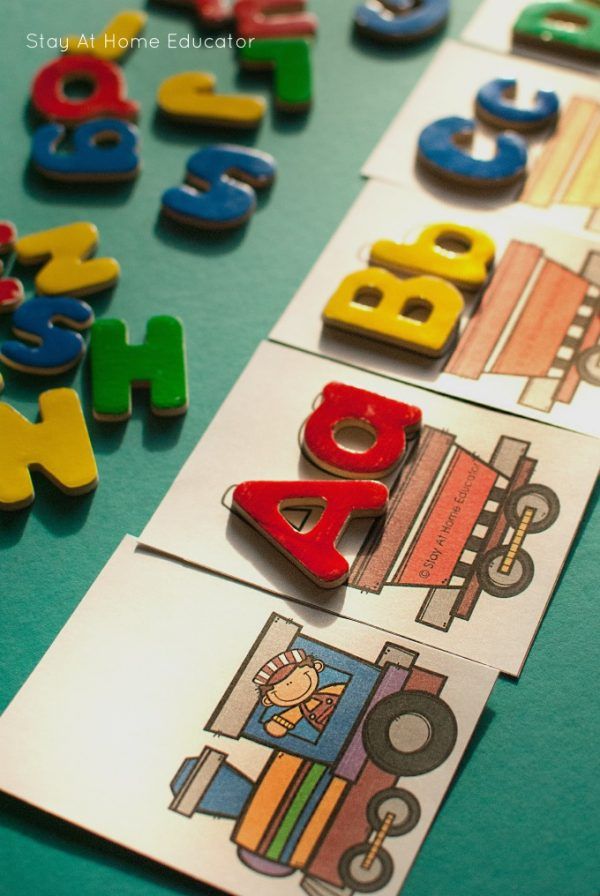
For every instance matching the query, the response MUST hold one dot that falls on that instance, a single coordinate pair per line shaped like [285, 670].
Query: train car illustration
[456, 527]
[332, 790]
[567, 171]
[538, 320]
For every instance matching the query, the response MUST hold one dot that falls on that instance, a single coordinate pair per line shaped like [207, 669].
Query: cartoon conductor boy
[290, 680]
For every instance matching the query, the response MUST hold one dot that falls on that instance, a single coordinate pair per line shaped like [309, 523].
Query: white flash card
[480, 519]
[268, 747]
[562, 182]
[529, 336]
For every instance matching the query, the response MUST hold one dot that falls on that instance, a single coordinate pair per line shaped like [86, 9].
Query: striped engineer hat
[279, 667]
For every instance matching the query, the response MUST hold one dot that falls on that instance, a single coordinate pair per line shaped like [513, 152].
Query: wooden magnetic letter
[570, 30]
[114, 41]
[494, 105]
[262, 504]
[11, 289]
[189, 97]
[210, 13]
[65, 251]
[107, 99]
[343, 406]
[89, 160]
[401, 21]
[223, 179]
[466, 263]
[290, 59]
[274, 18]
[375, 303]
[439, 150]
[8, 236]
[159, 362]
[11, 293]
[59, 446]
[56, 349]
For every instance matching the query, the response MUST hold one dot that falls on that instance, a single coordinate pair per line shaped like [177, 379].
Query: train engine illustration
[457, 526]
[342, 733]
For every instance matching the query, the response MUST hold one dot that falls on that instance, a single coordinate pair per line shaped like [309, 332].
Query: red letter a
[342, 407]
[314, 552]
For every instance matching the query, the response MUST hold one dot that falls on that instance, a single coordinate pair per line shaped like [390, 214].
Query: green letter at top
[291, 60]
[159, 362]
[569, 28]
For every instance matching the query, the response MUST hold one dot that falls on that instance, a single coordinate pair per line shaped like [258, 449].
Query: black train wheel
[500, 584]
[401, 803]
[410, 733]
[543, 501]
[588, 365]
[361, 879]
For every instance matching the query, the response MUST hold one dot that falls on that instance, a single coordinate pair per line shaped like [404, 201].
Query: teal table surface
[521, 817]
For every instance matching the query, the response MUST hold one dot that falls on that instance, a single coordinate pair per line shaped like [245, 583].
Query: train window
[333, 690]
[313, 708]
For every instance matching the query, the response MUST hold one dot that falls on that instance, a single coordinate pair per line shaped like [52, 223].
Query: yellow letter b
[420, 313]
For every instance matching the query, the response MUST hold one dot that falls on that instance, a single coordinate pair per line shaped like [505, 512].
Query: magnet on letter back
[262, 504]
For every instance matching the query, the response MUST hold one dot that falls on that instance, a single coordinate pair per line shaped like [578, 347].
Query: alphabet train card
[548, 162]
[469, 528]
[518, 313]
[269, 748]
